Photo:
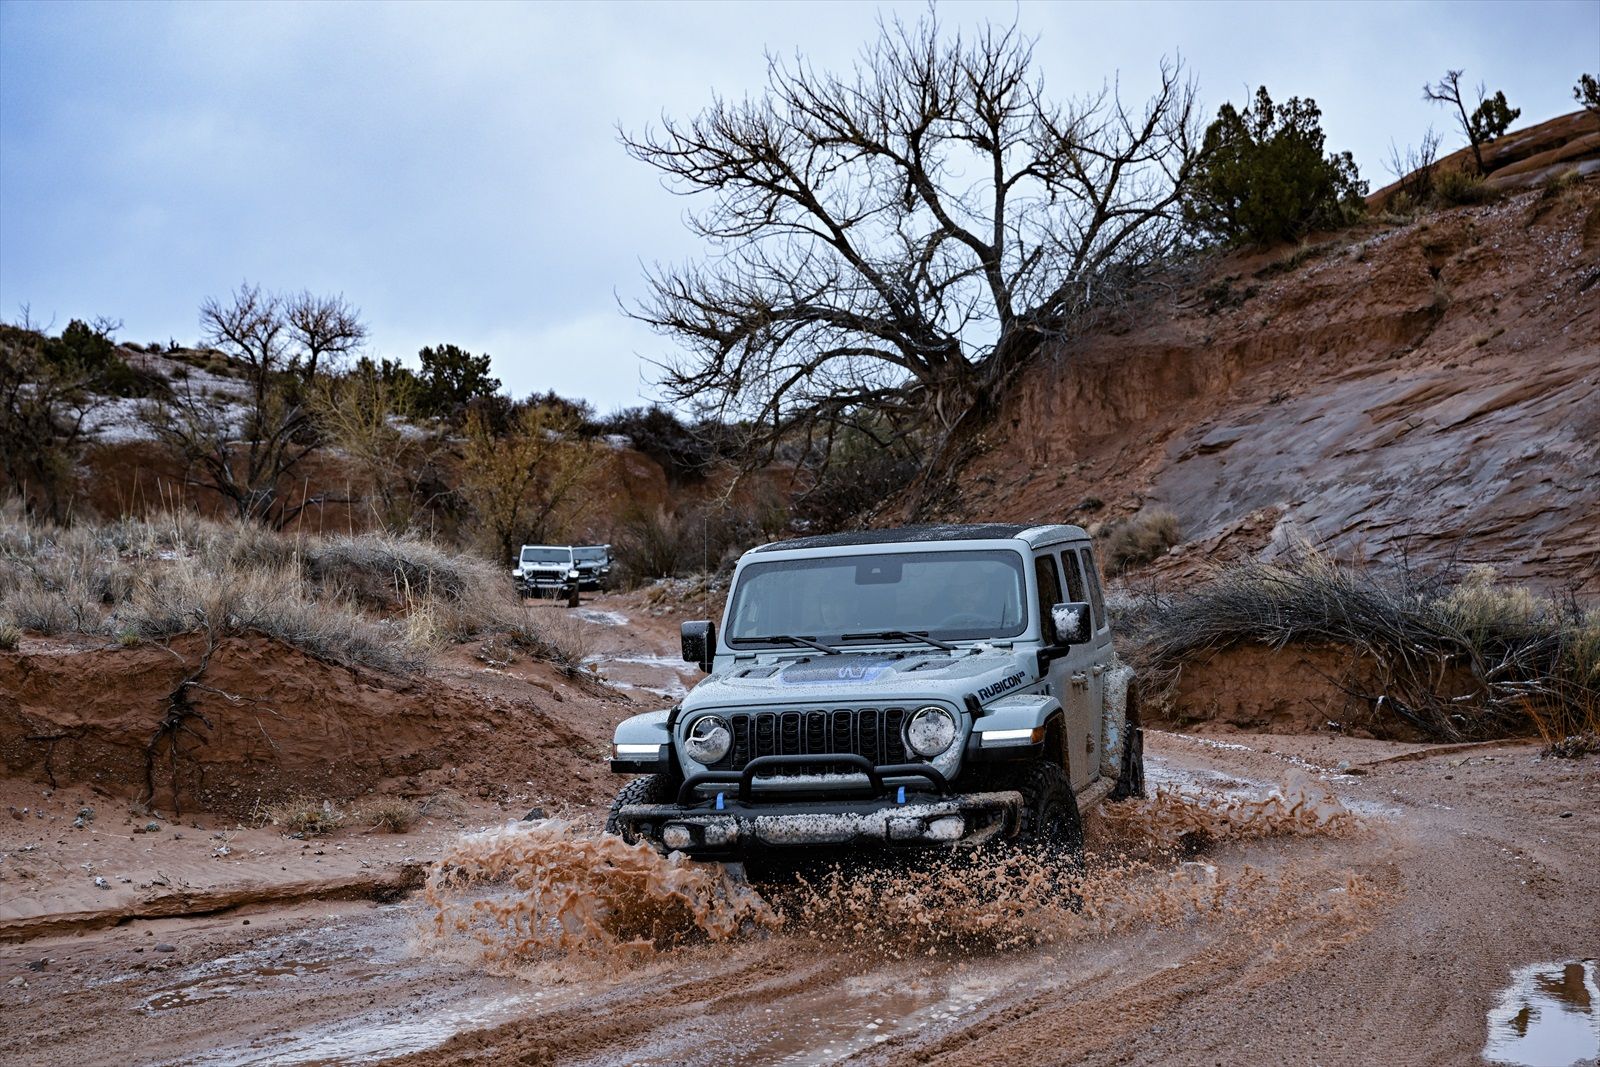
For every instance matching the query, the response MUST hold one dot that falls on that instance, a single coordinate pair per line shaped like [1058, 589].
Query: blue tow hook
[900, 796]
[721, 802]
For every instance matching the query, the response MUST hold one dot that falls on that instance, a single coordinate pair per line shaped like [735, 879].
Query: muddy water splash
[1188, 822]
[1135, 877]
[530, 889]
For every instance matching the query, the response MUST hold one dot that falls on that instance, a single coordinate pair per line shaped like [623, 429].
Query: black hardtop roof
[982, 531]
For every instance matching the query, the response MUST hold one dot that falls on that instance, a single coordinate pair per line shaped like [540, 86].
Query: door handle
[1098, 669]
[1080, 679]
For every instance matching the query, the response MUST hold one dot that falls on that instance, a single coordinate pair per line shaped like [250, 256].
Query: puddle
[230, 981]
[1549, 1016]
[831, 1027]
[601, 618]
[369, 1038]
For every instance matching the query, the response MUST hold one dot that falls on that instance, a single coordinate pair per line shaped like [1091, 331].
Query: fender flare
[1119, 682]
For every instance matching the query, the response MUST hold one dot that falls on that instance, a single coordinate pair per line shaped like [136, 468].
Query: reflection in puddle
[1548, 1017]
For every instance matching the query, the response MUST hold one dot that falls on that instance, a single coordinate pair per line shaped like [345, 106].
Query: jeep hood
[867, 677]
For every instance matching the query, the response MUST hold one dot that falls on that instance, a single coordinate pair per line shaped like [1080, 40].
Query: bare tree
[531, 481]
[891, 247]
[243, 450]
[1489, 119]
[363, 413]
[1414, 169]
[322, 328]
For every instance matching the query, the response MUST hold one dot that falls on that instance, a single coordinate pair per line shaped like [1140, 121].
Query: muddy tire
[572, 598]
[651, 789]
[1050, 819]
[1130, 779]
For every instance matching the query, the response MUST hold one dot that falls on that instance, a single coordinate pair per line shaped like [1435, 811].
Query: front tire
[1050, 819]
[1130, 779]
[651, 789]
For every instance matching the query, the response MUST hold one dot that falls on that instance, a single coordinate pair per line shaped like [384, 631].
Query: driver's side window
[1049, 582]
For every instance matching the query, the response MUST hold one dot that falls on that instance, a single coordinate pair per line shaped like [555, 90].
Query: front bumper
[740, 829]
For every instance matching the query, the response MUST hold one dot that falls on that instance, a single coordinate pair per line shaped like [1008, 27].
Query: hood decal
[838, 670]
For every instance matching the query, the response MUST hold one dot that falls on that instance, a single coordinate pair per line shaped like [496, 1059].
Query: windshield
[589, 555]
[546, 555]
[963, 596]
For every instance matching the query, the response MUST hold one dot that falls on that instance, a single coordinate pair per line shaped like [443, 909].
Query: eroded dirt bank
[1426, 391]
[1385, 931]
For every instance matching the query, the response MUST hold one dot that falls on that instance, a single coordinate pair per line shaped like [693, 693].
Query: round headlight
[709, 739]
[930, 731]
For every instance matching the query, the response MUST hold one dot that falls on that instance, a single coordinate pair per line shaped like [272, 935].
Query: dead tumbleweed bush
[1458, 657]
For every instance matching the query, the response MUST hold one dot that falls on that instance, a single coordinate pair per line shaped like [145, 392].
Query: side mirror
[699, 644]
[1073, 625]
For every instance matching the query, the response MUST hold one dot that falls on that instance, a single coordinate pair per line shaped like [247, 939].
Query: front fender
[1115, 725]
[1012, 727]
[642, 744]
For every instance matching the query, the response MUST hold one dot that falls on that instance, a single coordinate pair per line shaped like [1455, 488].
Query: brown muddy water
[1221, 920]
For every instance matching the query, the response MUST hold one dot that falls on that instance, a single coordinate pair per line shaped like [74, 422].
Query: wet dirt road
[1396, 938]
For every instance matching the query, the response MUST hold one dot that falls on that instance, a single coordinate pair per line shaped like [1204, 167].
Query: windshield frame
[590, 554]
[1011, 554]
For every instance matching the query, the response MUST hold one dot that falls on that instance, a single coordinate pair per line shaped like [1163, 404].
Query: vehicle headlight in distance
[930, 731]
[709, 739]
[572, 574]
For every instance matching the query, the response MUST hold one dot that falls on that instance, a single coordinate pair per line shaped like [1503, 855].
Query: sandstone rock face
[1429, 390]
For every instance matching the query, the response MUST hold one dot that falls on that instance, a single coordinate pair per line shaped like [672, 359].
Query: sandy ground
[1394, 941]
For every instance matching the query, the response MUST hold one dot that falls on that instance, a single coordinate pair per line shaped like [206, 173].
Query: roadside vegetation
[1456, 656]
[391, 603]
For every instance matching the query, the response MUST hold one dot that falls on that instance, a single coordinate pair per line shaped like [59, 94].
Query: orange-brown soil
[1380, 901]
[1428, 391]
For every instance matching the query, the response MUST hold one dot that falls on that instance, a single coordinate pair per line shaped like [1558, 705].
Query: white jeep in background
[932, 686]
[547, 570]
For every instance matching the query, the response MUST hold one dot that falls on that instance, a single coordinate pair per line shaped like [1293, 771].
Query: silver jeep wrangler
[932, 686]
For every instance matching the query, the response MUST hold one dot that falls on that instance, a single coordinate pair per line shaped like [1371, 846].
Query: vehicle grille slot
[870, 724]
[789, 722]
[894, 743]
[817, 731]
[766, 734]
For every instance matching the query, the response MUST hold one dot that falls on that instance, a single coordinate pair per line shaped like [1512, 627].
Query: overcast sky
[454, 171]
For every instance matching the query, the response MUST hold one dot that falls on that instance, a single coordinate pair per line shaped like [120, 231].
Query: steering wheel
[966, 619]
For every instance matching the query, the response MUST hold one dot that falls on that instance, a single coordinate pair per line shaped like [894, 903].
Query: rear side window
[1075, 591]
[1044, 569]
[1095, 596]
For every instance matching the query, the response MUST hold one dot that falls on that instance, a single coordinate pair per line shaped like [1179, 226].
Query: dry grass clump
[389, 814]
[1457, 659]
[10, 637]
[304, 816]
[1454, 188]
[390, 603]
[1136, 541]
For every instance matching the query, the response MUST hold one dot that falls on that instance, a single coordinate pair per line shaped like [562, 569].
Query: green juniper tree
[1263, 177]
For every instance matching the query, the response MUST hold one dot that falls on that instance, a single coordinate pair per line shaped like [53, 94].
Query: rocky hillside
[1424, 386]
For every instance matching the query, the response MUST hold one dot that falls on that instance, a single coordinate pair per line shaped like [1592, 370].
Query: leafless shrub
[1138, 540]
[1456, 659]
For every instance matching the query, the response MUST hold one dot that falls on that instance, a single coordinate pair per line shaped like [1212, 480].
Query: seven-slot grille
[871, 732]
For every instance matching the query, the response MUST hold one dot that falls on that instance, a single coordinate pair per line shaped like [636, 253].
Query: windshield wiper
[790, 639]
[906, 635]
